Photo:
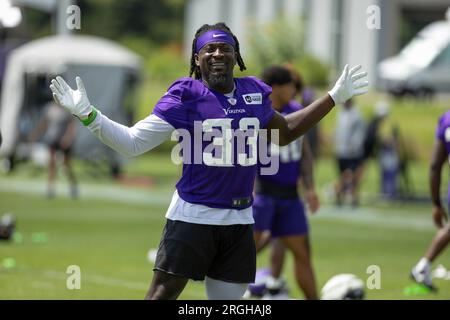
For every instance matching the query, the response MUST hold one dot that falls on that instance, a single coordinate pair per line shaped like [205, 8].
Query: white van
[423, 65]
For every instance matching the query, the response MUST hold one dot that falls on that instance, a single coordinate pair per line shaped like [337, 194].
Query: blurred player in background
[59, 129]
[7, 226]
[372, 138]
[209, 234]
[349, 149]
[421, 272]
[277, 208]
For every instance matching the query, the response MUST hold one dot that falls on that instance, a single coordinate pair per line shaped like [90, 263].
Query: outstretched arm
[438, 158]
[143, 136]
[298, 123]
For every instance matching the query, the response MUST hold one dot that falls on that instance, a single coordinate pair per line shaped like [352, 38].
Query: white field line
[367, 216]
[94, 279]
[89, 191]
[100, 280]
[361, 216]
[109, 281]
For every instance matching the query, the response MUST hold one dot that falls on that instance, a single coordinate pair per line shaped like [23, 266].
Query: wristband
[91, 117]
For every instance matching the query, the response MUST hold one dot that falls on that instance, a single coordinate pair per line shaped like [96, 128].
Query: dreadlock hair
[206, 27]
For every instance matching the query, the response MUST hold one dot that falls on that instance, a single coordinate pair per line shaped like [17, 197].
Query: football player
[421, 272]
[277, 208]
[208, 233]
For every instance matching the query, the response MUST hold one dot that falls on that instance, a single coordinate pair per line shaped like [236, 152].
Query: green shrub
[315, 73]
[167, 63]
[281, 42]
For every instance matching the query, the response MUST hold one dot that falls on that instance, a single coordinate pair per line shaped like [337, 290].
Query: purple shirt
[290, 155]
[189, 101]
[443, 134]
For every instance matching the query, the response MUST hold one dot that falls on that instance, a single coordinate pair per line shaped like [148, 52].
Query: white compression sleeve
[143, 136]
[221, 290]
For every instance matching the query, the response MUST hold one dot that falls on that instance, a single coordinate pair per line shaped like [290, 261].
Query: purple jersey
[443, 134]
[290, 155]
[190, 105]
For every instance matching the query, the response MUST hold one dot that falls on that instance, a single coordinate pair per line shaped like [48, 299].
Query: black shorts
[348, 163]
[193, 251]
[57, 147]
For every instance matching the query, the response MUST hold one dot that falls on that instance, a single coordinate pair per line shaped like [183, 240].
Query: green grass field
[110, 229]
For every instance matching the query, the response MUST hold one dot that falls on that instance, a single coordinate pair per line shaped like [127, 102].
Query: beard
[218, 80]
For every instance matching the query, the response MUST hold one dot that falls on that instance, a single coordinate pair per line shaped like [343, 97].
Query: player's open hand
[348, 86]
[76, 101]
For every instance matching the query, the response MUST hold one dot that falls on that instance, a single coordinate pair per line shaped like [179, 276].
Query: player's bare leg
[357, 177]
[277, 254]
[70, 176]
[354, 189]
[439, 243]
[345, 181]
[338, 192]
[262, 239]
[421, 272]
[51, 174]
[165, 286]
[304, 273]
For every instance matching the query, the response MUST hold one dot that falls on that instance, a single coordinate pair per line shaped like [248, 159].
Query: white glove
[346, 86]
[76, 101]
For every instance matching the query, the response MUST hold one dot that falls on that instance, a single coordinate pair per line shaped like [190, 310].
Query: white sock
[423, 264]
[274, 283]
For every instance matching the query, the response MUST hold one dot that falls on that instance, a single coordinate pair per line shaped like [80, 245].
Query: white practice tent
[107, 69]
